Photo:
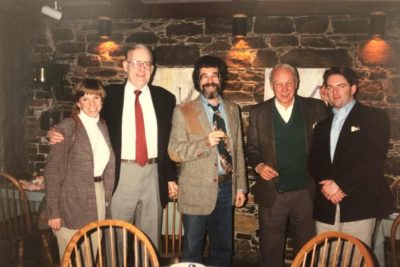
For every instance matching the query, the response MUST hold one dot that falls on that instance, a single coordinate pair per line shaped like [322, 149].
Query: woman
[80, 171]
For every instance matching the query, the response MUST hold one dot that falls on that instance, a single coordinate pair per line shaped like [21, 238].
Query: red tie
[141, 147]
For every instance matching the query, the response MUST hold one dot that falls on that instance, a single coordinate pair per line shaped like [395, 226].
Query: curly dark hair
[210, 62]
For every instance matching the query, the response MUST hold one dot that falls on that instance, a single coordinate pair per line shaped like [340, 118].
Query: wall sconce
[377, 24]
[239, 27]
[104, 28]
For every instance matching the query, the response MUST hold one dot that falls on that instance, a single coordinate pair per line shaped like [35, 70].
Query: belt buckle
[133, 161]
[224, 177]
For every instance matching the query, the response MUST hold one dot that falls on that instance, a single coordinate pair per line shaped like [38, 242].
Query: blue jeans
[218, 225]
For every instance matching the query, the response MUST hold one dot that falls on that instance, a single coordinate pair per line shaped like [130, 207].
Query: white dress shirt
[285, 112]
[128, 148]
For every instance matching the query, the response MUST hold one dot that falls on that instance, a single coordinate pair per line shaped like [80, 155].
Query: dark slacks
[219, 227]
[293, 207]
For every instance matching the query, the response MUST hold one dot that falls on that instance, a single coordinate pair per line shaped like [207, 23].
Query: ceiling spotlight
[53, 13]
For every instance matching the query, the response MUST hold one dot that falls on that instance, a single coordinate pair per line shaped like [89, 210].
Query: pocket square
[314, 124]
[354, 129]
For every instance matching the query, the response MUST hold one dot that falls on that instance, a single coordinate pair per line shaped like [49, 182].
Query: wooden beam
[132, 9]
[125, 9]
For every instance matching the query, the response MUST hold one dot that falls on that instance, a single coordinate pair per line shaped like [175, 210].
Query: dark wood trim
[125, 9]
[273, 8]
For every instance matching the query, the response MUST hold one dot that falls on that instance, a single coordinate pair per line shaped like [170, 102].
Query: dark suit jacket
[69, 176]
[261, 141]
[164, 104]
[357, 166]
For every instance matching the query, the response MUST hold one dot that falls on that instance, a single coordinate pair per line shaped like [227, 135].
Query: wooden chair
[334, 249]
[393, 245]
[395, 189]
[78, 251]
[15, 218]
[172, 234]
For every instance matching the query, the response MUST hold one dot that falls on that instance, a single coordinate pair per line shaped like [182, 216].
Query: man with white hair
[279, 137]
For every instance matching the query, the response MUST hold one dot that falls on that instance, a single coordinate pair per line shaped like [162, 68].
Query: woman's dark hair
[346, 72]
[209, 62]
[87, 86]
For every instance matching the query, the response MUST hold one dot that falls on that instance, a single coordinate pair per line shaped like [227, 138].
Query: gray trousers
[137, 200]
[293, 207]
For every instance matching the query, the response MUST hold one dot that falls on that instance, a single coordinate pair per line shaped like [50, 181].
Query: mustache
[211, 84]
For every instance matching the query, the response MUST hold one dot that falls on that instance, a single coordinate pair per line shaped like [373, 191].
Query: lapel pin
[314, 124]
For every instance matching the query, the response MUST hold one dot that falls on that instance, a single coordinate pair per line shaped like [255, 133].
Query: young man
[346, 161]
[206, 138]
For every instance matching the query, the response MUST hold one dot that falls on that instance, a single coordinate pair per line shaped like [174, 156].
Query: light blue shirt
[339, 117]
[210, 114]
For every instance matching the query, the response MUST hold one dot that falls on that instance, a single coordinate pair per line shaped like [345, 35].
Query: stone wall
[71, 48]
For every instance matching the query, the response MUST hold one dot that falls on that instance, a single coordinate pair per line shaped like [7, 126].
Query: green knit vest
[290, 151]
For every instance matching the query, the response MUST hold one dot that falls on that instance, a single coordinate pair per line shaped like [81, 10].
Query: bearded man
[206, 139]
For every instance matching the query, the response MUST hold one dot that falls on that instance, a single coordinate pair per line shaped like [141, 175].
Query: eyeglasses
[213, 76]
[138, 64]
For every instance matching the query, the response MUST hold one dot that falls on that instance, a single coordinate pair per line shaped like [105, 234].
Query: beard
[213, 94]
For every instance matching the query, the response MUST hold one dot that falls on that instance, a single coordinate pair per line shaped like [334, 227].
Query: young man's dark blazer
[261, 141]
[357, 166]
[164, 104]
